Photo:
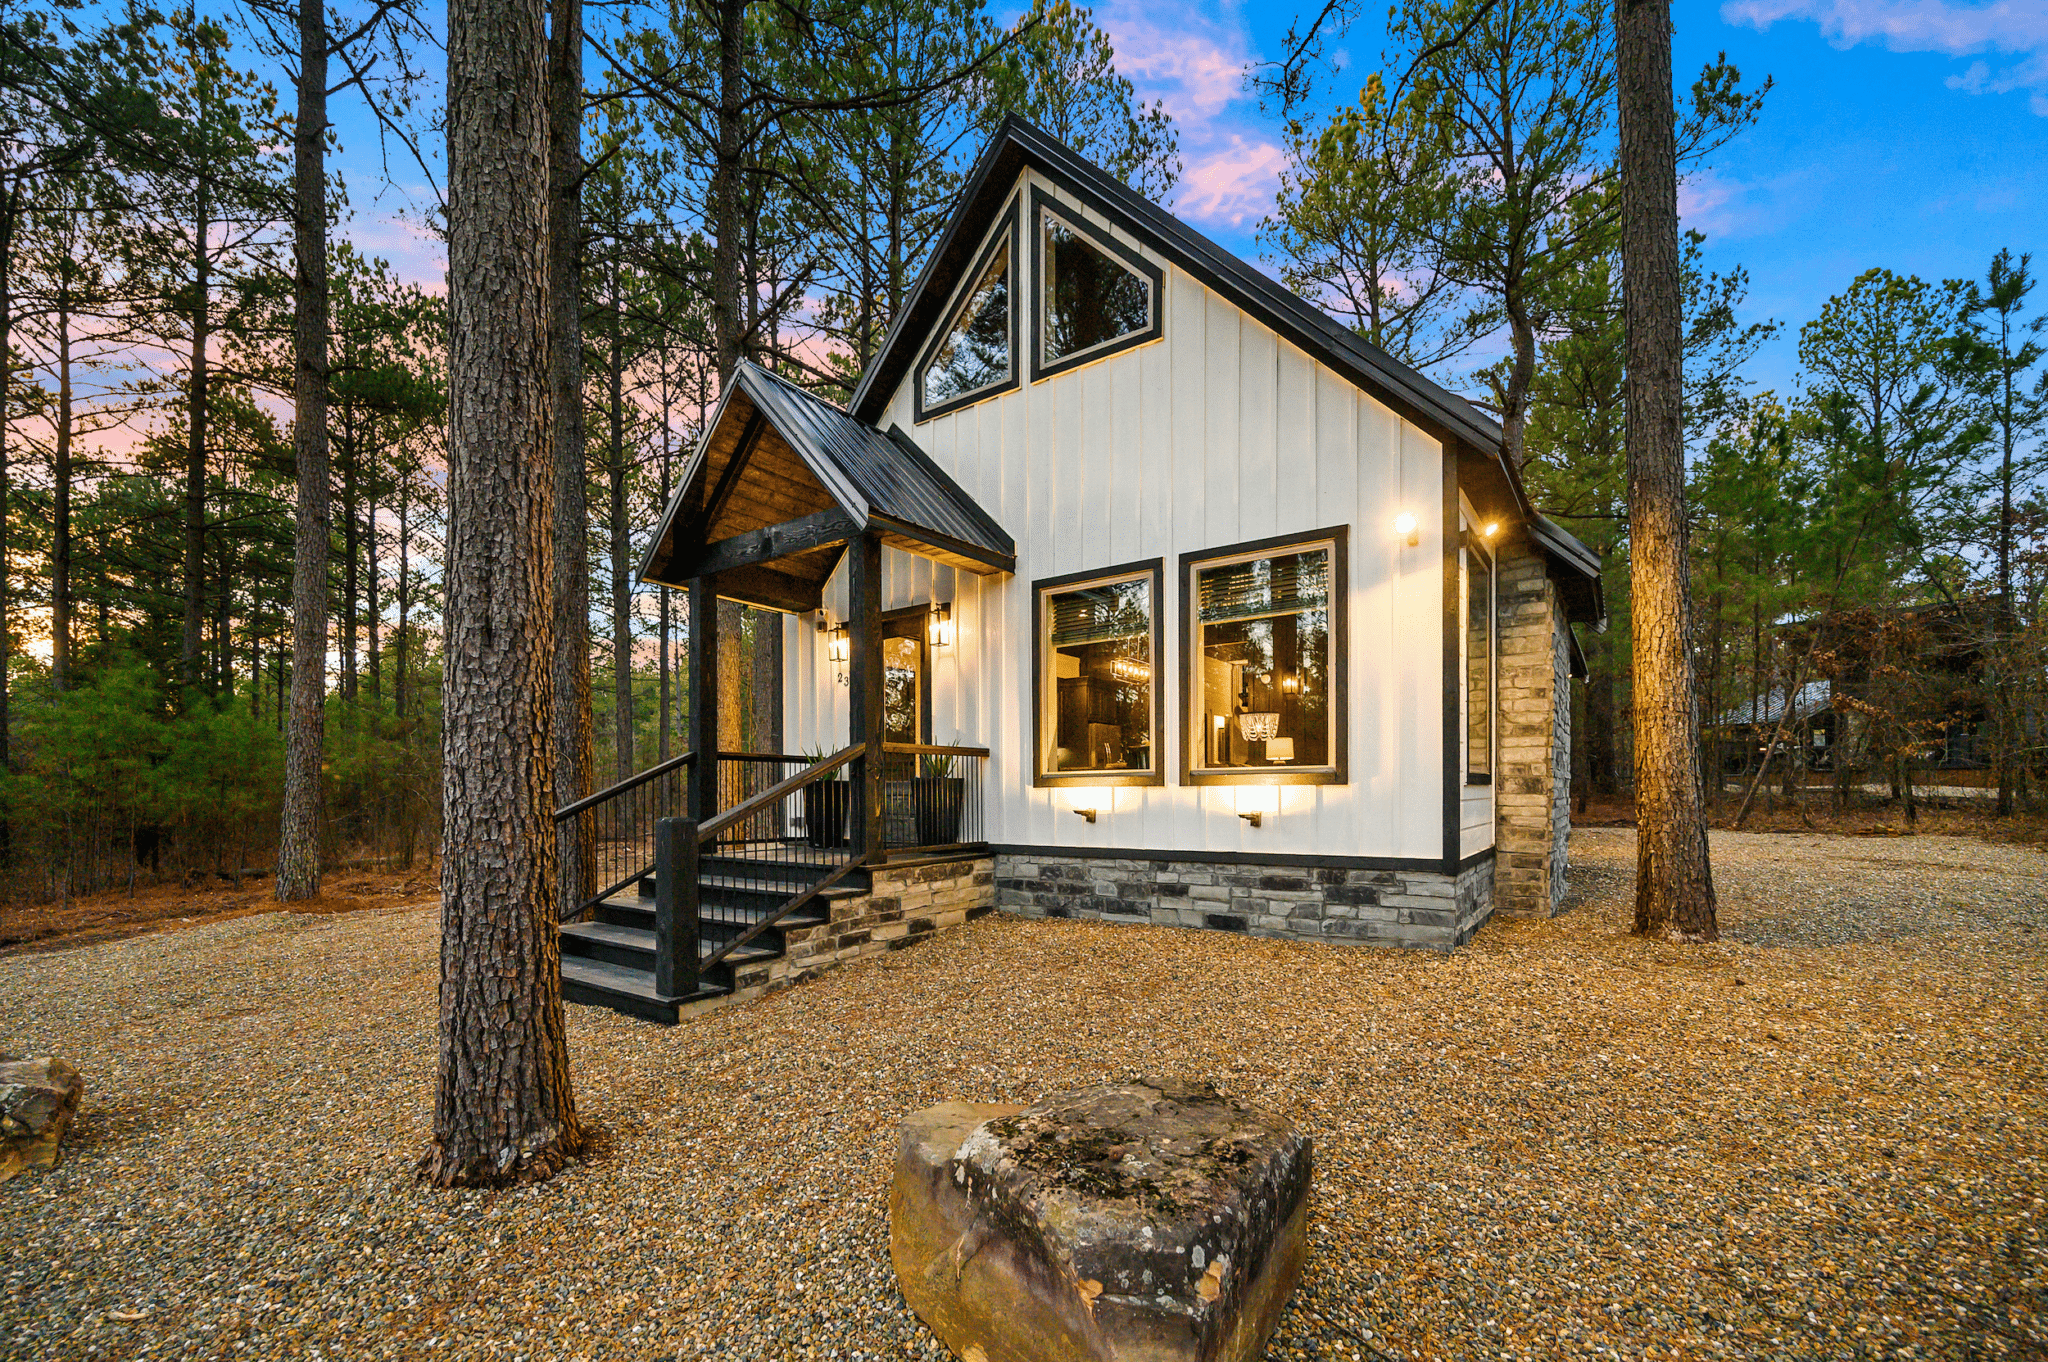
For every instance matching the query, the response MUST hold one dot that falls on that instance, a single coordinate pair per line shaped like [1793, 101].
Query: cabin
[1127, 586]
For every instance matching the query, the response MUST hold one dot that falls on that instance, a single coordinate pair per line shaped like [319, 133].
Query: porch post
[864, 681]
[703, 730]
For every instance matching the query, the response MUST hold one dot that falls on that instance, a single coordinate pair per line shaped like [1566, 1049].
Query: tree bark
[621, 538]
[60, 478]
[1674, 883]
[299, 835]
[505, 1111]
[575, 768]
[195, 443]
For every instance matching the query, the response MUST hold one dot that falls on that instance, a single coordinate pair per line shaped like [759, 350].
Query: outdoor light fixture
[1492, 528]
[940, 631]
[838, 648]
[1290, 685]
[1087, 800]
[1254, 802]
[1407, 525]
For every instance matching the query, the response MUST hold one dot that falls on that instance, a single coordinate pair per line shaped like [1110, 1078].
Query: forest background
[1870, 516]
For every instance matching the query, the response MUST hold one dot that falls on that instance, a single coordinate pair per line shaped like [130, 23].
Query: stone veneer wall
[1424, 908]
[906, 905]
[1532, 787]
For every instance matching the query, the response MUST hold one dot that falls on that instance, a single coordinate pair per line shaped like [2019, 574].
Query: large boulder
[38, 1097]
[1140, 1221]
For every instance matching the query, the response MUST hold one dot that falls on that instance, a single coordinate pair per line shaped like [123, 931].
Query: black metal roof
[1017, 144]
[893, 482]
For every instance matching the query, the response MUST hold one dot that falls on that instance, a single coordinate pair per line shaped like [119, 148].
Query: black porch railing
[611, 833]
[931, 796]
[762, 859]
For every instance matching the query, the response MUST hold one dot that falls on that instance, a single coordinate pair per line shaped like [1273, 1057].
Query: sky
[1908, 134]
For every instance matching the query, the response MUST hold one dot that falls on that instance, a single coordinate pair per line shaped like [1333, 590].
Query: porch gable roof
[781, 468]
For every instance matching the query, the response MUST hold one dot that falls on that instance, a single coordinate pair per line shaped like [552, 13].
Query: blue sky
[1911, 134]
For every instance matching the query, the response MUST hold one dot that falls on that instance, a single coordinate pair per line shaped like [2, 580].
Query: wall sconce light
[838, 648]
[1087, 800]
[1408, 527]
[1492, 528]
[1290, 684]
[940, 628]
[1254, 802]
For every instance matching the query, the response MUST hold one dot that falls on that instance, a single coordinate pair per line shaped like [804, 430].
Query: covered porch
[712, 860]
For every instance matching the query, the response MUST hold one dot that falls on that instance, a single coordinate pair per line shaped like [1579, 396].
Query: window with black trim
[1095, 296]
[1097, 658]
[1263, 662]
[975, 356]
[1480, 649]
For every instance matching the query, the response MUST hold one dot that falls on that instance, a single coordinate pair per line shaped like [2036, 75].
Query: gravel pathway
[1823, 1137]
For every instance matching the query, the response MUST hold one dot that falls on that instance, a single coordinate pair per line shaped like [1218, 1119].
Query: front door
[906, 699]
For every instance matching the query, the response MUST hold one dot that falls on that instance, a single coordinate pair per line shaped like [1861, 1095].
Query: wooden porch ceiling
[776, 493]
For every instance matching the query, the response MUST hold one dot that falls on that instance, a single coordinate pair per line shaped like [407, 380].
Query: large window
[976, 356]
[1481, 648]
[1097, 694]
[1095, 295]
[1263, 660]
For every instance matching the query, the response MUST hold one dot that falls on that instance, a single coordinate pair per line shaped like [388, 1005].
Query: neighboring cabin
[1253, 623]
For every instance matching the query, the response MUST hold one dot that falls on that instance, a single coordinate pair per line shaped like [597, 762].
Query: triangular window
[1089, 299]
[976, 351]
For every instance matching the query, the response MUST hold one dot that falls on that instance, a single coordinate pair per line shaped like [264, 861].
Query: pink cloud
[2019, 27]
[1231, 183]
[1193, 63]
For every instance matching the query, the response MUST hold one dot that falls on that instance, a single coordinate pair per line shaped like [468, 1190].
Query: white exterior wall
[1218, 433]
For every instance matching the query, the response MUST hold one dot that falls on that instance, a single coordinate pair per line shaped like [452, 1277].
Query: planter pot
[935, 804]
[827, 805]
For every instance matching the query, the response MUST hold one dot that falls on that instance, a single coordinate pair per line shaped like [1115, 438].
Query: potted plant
[936, 799]
[828, 805]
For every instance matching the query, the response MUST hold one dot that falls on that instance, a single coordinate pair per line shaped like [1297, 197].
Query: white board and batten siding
[1218, 433]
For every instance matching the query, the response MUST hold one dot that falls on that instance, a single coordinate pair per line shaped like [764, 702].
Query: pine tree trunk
[349, 536]
[195, 447]
[298, 850]
[60, 491]
[575, 767]
[10, 214]
[505, 1111]
[373, 606]
[621, 539]
[1674, 884]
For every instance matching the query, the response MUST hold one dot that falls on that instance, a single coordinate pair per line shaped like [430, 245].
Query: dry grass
[1822, 1137]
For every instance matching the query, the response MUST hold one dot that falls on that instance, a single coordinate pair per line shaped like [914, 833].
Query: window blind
[1100, 613]
[1265, 586]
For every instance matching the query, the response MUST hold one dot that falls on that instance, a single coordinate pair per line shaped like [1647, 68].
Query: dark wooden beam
[771, 590]
[864, 681]
[728, 478]
[770, 542]
[703, 729]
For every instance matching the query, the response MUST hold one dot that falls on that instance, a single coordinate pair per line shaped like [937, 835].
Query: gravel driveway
[1824, 1137]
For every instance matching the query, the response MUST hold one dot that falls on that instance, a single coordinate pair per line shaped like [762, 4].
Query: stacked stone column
[1532, 787]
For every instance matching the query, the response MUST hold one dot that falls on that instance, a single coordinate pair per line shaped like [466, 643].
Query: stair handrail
[710, 828]
[591, 801]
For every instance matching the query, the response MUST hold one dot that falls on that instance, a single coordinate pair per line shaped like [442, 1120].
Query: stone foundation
[907, 905]
[1420, 908]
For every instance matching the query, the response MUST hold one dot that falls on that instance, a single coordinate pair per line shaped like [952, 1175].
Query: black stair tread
[642, 938]
[632, 983]
[721, 913]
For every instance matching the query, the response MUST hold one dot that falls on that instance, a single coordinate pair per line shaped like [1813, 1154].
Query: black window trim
[1155, 329]
[1339, 771]
[920, 412]
[1040, 777]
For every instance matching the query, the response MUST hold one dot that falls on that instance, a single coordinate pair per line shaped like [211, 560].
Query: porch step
[634, 947]
[631, 991]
